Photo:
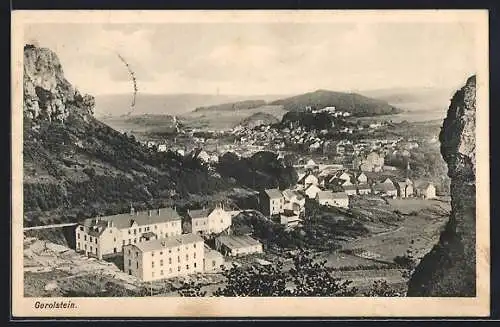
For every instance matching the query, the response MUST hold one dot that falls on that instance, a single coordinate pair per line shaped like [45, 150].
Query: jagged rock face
[449, 269]
[47, 93]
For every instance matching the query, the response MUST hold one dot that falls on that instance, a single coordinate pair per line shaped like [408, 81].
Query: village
[154, 245]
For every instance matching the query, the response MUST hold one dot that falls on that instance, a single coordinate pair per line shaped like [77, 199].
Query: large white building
[333, 199]
[103, 236]
[164, 258]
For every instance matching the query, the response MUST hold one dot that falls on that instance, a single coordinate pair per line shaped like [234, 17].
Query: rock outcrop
[47, 93]
[449, 269]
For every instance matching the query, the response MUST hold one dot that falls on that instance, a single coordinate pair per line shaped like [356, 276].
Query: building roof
[211, 254]
[291, 193]
[422, 185]
[325, 195]
[125, 220]
[168, 242]
[235, 242]
[199, 213]
[384, 187]
[273, 193]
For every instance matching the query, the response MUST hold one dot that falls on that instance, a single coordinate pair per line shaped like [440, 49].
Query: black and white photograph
[244, 156]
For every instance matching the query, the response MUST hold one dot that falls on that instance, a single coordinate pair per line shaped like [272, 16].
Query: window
[194, 255]
[196, 223]
[129, 241]
[137, 265]
[91, 239]
[152, 274]
[140, 229]
[169, 250]
[152, 253]
[78, 235]
[195, 264]
[194, 245]
[91, 248]
[161, 262]
[178, 249]
[156, 227]
[78, 245]
[81, 228]
[129, 232]
[179, 268]
[213, 263]
[96, 241]
[129, 262]
[187, 257]
[161, 272]
[170, 261]
[114, 239]
[85, 237]
[136, 254]
[111, 231]
[161, 252]
[170, 270]
[123, 242]
[135, 241]
[187, 267]
[135, 232]
[128, 251]
[178, 259]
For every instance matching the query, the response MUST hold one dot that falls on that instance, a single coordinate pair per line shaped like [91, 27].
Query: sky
[258, 59]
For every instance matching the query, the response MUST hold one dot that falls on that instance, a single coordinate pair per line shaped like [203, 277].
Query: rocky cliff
[449, 269]
[47, 93]
[76, 166]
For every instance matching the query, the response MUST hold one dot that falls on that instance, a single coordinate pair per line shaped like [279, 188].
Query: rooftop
[125, 220]
[235, 242]
[273, 193]
[200, 213]
[169, 242]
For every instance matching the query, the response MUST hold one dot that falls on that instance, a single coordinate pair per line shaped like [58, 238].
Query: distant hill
[170, 104]
[259, 118]
[233, 106]
[354, 103]
[413, 99]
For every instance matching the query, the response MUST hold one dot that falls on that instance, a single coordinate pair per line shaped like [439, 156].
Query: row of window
[170, 270]
[146, 229]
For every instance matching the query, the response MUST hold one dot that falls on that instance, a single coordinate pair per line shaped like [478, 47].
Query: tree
[381, 288]
[191, 290]
[306, 278]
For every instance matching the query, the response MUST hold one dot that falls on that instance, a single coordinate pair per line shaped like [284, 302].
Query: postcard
[250, 163]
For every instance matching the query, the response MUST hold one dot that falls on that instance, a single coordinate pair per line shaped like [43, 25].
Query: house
[311, 164]
[162, 148]
[290, 218]
[350, 189]
[361, 178]
[333, 199]
[199, 220]
[294, 201]
[344, 176]
[237, 245]
[175, 256]
[385, 188]
[363, 189]
[205, 221]
[425, 190]
[212, 260]
[308, 179]
[102, 236]
[272, 202]
[312, 191]
[405, 188]
[204, 156]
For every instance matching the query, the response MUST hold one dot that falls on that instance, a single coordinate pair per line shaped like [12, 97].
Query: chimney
[132, 210]
[159, 211]
[149, 213]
